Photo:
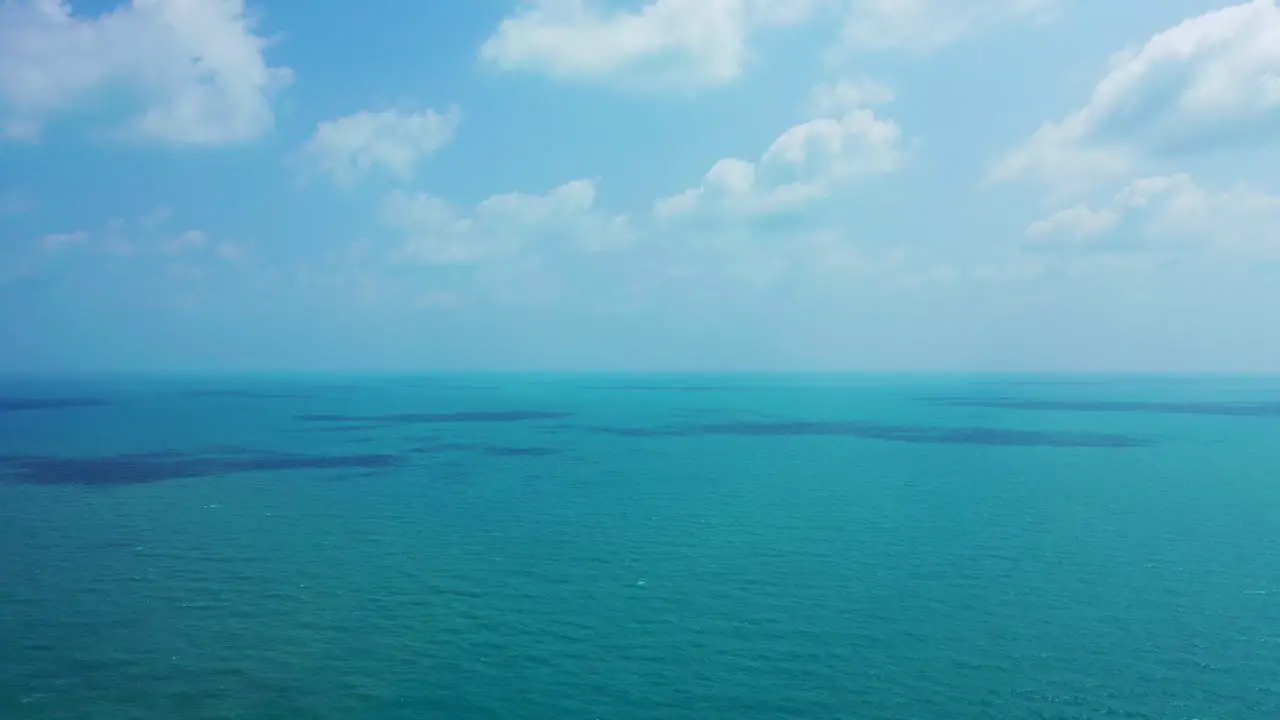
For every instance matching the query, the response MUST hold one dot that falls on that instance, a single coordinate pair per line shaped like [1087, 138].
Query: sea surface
[628, 547]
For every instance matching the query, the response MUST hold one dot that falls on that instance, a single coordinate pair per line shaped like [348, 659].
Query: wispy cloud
[393, 141]
[502, 225]
[15, 203]
[56, 242]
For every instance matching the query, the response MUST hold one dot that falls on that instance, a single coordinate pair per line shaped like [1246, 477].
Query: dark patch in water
[916, 434]
[1116, 381]
[665, 388]
[636, 432]
[447, 386]
[705, 412]
[343, 428]
[509, 451]
[141, 468]
[437, 448]
[242, 394]
[928, 435]
[18, 404]
[1225, 409]
[491, 450]
[478, 416]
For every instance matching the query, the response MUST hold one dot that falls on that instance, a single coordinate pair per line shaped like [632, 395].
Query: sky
[667, 185]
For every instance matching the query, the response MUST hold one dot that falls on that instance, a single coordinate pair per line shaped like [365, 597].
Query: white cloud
[115, 241]
[196, 66]
[437, 300]
[60, 241]
[664, 43]
[698, 43]
[1211, 80]
[737, 225]
[119, 246]
[229, 251]
[156, 217]
[838, 98]
[193, 243]
[927, 25]
[805, 163]
[502, 225]
[15, 203]
[1242, 220]
[183, 243]
[1078, 222]
[350, 147]
[1174, 213]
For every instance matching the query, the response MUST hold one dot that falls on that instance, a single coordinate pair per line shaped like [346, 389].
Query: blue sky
[913, 185]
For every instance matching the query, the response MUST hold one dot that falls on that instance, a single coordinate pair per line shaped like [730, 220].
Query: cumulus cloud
[502, 225]
[837, 98]
[663, 43]
[927, 25]
[1077, 222]
[805, 163]
[1175, 212]
[699, 43]
[395, 141]
[194, 70]
[1212, 80]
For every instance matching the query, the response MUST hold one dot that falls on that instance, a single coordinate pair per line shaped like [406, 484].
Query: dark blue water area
[608, 546]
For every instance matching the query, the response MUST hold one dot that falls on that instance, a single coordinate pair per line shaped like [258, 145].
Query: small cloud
[681, 203]
[115, 243]
[19, 131]
[1080, 222]
[15, 203]
[349, 148]
[846, 96]
[928, 25]
[56, 242]
[661, 44]
[806, 163]
[119, 246]
[186, 271]
[229, 251]
[189, 241]
[502, 225]
[438, 300]
[156, 217]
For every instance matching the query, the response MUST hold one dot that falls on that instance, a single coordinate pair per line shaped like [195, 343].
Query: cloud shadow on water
[915, 434]
[242, 395]
[135, 469]
[665, 388]
[475, 416]
[1220, 409]
[483, 449]
[19, 404]
[343, 428]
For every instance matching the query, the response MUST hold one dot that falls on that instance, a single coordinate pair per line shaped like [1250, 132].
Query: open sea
[640, 547]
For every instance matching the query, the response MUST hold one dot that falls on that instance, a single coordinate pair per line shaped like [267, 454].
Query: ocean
[640, 547]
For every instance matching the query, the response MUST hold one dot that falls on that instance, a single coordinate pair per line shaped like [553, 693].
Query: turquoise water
[640, 547]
